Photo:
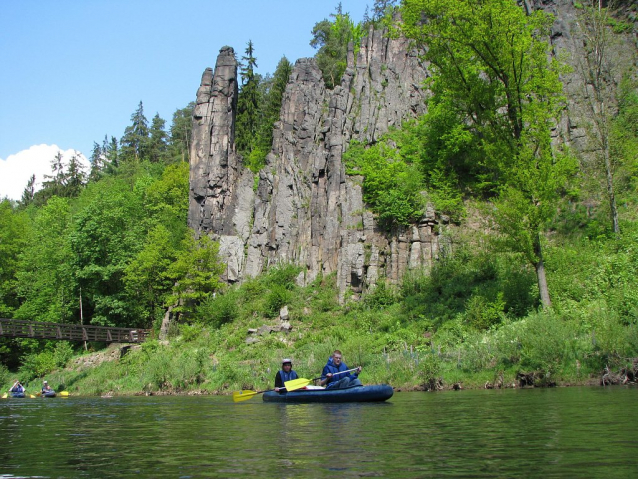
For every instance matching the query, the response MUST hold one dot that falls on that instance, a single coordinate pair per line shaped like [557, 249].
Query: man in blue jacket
[331, 378]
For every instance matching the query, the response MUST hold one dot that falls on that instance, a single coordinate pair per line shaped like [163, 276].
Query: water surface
[564, 432]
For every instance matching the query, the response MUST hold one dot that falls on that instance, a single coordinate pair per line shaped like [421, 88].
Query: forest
[541, 293]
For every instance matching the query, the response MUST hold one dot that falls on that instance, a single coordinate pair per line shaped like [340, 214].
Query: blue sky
[75, 70]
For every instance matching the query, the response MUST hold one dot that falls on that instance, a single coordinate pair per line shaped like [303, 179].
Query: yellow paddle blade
[239, 396]
[64, 393]
[5, 396]
[31, 396]
[297, 384]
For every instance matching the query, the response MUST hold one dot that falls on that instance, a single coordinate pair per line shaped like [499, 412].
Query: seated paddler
[333, 376]
[285, 374]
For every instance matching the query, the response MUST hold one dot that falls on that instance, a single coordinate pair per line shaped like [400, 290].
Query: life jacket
[287, 376]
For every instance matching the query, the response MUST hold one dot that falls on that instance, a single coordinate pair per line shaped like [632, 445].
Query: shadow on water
[567, 432]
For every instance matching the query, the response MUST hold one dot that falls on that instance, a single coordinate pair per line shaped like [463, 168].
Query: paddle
[64, 394]
[5, 396]
[302, 383]
[239, 396]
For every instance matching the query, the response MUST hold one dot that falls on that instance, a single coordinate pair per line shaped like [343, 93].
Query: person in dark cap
[46, 388]
[286, 374]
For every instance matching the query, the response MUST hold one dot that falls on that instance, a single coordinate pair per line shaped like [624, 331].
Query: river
[562, 432]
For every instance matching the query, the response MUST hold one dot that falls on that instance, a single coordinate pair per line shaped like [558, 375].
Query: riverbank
[191, 365]
[470, 323]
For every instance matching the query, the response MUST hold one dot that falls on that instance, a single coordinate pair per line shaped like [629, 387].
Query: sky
[73, 71]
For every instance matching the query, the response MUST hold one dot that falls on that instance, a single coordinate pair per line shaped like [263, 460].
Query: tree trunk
[540, 274]
[166, 322]
[610, 193]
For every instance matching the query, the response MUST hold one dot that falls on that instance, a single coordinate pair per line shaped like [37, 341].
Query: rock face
[305, 209]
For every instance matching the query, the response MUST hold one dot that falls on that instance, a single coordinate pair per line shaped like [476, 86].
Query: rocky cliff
[305, 209]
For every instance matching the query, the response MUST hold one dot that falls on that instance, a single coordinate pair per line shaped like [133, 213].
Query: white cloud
[17, 169]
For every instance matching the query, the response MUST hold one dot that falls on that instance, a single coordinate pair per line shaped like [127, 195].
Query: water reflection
[572, 432]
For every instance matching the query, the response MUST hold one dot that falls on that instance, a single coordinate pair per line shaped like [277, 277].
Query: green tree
[46, 284]
[331, 38]
[600, 68]
[75, 177]
[180, 133]
[146, 276]
[157, 145]
[490, 65]
[248, 101]
[107, 233]
[14, 231]
[391, 188]
[97, 161]
[29, 193]
[272, 98]
[196, 273]
[111, 152]
[135, 139]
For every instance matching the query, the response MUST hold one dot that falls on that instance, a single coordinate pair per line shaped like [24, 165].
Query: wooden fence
[18, 328]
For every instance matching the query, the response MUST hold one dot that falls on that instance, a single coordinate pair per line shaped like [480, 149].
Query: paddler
[285, 374]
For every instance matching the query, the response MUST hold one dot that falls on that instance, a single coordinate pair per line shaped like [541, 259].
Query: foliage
[490, 66]
[46, 282]
[331, 38]
[133, 145]
[391, 186]
[477, 289]
[248, 102]
[271, 99]
[180, 133]
[14, 228]
[195, 272]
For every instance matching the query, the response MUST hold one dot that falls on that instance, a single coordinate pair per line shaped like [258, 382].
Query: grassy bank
[473, 320]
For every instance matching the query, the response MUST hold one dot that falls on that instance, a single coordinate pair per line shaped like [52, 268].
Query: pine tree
[97, 162]
[74, 178]
[135, 139]
[28, 193]
[111, 154]
[247, 104]
[272, 98]
[157, 145]
[180, 134]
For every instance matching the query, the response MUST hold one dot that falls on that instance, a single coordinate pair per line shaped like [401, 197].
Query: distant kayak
[49, 394]
[354, 394]
[17, 395]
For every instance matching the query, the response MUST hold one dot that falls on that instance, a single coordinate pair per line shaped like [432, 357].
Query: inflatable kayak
[17, 395]
[354, 394]
[49, 394]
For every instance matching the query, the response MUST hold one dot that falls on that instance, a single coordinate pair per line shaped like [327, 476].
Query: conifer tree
[180, 133]
[157, 145]
[135, 138]
[28, 193]
[247, 103]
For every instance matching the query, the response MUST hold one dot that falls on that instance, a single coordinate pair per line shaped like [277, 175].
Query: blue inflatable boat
[18, 395]
[355, 394]
[49, 394]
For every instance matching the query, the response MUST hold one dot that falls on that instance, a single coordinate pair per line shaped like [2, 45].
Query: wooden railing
[18, 328]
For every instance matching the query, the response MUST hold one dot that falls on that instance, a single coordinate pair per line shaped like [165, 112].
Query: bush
[222, 309]
[277, 297]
